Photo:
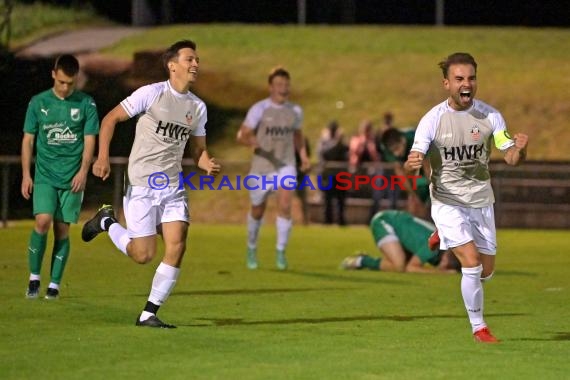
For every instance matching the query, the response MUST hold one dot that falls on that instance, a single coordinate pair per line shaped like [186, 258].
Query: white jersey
[274, 126]
[458, 144]
[162, 131]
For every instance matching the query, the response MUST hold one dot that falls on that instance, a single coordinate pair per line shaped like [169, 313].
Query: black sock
[107, 223]
[151, 307]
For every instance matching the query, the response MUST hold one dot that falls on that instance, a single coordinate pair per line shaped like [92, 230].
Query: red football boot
[433, 241]
[484, 336]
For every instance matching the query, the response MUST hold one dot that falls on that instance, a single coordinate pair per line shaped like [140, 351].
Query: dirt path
[77, 42]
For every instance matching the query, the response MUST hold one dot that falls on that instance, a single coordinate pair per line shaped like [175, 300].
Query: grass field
[311, 322]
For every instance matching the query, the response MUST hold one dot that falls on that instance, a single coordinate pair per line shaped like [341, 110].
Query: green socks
[59, 259]
[370, 262]
[36, 250]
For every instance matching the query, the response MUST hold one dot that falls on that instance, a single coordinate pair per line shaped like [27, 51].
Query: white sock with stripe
[472, 292]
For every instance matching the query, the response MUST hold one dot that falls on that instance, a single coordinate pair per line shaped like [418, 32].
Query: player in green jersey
[402, 239]
[62, 123]
[395, 146]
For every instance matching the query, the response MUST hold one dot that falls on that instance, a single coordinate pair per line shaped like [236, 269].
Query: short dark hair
[391, 136]
[333, 128]
[278, 71]
[456, 58]
[68, 64]
[172, 51]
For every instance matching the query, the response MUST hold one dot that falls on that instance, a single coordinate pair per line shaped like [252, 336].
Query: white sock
[34, 277]
[472, 291]
[253, 226]
[119, 237]
[163, 283]
[145, 315]
[53, 285]
[283, 232]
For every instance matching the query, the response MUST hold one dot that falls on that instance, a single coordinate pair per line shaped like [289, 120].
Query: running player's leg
[174, 235]
[258, 195]
[138, 240]
[286, 183]
[283, 224]
[485, 238]
[173, 216]
[455, 227]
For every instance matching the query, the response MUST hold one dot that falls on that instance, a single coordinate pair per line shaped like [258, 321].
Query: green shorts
[63, 204]
[411, 232]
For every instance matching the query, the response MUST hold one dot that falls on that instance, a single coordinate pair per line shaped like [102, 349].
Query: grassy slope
[32, 21]
[312, 322]
[523, 72]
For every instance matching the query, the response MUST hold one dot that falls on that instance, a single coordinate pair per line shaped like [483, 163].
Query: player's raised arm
[517, 153]
[414, 163]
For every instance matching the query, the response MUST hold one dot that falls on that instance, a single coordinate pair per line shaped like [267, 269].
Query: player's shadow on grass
[224, 292]
[347, 277]
[217, 322]
[559, 336]
[516, 273]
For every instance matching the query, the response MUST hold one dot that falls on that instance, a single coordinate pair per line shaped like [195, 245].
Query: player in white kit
[272, 127]
[456, 136]
[154, 202]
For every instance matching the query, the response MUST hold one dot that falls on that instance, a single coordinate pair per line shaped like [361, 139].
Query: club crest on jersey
[75, 114]
[475, 133]
[189, 117]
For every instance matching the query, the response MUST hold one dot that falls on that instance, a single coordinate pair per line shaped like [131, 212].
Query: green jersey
[388, 156]
[60, 126]
[413, 233]
[422, 184]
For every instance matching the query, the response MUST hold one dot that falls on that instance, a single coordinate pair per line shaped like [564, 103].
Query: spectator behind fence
[391, 194]
[301, 190]
[362, 149]
[396, 144]
[333, 155]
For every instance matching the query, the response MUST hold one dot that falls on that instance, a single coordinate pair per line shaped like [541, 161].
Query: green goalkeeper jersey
[60, 126]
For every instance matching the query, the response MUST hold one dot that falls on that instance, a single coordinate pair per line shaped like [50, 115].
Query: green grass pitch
[312, 322]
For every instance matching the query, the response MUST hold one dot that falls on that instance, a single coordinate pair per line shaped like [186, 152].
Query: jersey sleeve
[503, 140]
[253, 116]
[425, 133]
[31, 121]
[141, 100]
[91, 126]
[202, 120]
[299, 112]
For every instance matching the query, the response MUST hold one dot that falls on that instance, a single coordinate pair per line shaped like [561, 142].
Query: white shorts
[458, 225]
[146, 208]
[260, 186]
